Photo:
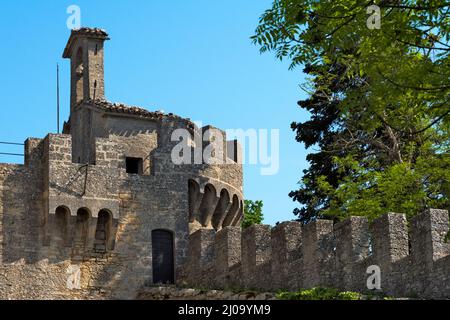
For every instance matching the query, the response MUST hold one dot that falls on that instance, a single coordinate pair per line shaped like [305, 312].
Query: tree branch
[412, 87]
[419, 8]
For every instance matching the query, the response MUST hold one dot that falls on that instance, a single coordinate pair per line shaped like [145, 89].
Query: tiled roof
[121, 108]
[84, 32]
[97, 32]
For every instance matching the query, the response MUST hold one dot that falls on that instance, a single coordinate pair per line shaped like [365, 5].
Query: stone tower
[85, 51]
[103, 209]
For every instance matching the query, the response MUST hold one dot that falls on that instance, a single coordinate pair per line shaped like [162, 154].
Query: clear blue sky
[192, 58]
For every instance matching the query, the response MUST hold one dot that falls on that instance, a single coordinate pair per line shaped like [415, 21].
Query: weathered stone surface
[173, 293]
[75, 222]
[293, 257]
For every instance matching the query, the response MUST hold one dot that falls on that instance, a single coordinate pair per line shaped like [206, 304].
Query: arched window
[79, 94]
[103, 231]
[81, 228]
[60, 231]
[162, 256]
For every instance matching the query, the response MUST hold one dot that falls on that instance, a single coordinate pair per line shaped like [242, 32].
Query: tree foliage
[252, 213]
[378, 98]
[319, 293]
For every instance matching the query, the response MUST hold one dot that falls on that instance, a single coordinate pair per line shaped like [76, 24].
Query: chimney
[85, 51]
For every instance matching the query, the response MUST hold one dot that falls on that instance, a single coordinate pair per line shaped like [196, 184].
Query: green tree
[252, 213]
[379, 102]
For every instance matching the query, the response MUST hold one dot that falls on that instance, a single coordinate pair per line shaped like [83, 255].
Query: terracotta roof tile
[107, 106]
[90, 31]
[83, 32]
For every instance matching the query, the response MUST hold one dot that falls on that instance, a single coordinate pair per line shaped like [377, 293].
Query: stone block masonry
[292, 256]
[79, 231]
[101, 210]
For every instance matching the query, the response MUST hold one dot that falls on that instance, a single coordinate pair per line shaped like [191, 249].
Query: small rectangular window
[134, 165]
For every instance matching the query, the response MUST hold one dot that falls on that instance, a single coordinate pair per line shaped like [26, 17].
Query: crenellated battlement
[292, 256]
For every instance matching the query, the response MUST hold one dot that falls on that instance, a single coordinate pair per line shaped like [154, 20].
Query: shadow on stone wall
[22, 205]
[292, 256]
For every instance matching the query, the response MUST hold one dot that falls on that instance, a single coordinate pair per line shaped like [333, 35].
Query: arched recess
[103, 231]
[194, 198]
[79, 76]
[163, 256]
[221, 209]
[239, 216]
[232, 212]
[209, 202]
[61, 226]
[81, 228]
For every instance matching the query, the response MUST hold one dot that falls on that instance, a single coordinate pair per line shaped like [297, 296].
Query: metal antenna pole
[57, 96]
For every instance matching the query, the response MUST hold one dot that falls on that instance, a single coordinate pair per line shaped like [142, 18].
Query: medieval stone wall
[40, 257]
[43, 253]
[78, 218]
[414, 262]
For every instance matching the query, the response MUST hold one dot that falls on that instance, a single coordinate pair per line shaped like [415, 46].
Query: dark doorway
[163, 266]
